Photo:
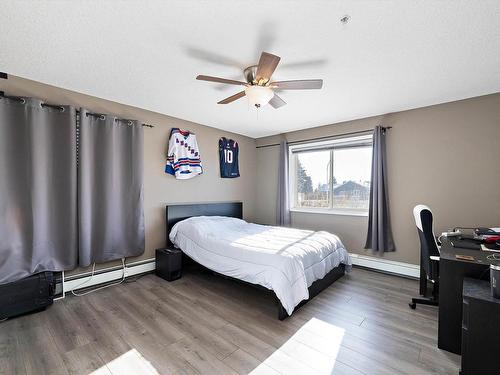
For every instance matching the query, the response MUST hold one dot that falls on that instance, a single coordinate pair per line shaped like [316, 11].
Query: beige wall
[161, 189]
[445, 156]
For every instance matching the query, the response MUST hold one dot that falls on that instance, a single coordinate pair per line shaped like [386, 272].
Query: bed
[294, 265]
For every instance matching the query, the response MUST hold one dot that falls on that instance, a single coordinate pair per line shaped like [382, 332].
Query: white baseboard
[107, 275]
[398, 268]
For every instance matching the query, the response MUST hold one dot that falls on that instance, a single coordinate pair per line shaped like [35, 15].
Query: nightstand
[169, 263]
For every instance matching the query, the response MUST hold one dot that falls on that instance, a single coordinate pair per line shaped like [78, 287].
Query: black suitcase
[31, 294]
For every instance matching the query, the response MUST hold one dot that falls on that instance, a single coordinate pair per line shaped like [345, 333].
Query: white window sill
[327, 211]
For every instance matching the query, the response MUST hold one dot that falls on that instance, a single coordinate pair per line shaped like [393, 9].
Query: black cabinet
[169, 263]
[480, 329]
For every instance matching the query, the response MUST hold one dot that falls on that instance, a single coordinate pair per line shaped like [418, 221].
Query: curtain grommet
[102, 117]
[129, 123]
[22, 100]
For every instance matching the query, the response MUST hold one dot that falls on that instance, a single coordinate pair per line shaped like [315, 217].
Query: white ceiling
[391, 56]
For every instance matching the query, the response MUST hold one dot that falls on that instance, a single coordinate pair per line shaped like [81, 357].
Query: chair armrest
[434, 276]
[438, 240]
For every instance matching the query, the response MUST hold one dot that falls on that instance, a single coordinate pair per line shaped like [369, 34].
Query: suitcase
[27, 295]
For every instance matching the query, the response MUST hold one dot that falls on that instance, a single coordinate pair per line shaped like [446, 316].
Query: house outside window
[331, 176]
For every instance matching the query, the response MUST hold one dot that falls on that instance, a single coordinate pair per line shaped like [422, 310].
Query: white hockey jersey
[183, 159]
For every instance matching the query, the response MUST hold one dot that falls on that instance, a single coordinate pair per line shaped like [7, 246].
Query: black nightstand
[169, 264]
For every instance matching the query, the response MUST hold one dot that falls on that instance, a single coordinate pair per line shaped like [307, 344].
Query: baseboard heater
[102, 276]
[66, 284]
[386, 266]
[27, 295]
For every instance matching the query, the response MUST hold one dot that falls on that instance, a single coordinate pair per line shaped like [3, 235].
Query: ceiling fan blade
[300, 84]
[220, 80]
[232, 98]
[276, 102]
[266, 67]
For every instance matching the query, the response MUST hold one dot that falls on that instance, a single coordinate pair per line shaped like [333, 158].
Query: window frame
[329, 145]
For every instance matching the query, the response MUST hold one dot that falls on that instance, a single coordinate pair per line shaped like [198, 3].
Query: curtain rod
[102, 116]
[325, 137]
[55, 106]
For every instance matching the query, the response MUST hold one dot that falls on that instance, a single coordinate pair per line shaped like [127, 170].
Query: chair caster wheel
[412, 305]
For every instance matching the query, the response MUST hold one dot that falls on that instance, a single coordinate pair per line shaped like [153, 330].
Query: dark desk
[451, 275]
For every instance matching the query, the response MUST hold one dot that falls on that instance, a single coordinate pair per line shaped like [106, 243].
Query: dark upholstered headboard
[178, 212]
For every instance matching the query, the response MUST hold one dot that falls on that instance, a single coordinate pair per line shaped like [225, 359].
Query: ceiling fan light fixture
[259, 96]
[259, 86]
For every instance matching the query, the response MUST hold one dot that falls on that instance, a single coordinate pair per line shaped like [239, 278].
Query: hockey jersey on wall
[183, 158]
[228, 158]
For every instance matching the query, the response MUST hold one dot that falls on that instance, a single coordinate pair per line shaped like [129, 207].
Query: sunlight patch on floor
[312, 349]
[131, 362]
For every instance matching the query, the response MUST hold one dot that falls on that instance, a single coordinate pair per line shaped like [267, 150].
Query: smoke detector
[345, 19]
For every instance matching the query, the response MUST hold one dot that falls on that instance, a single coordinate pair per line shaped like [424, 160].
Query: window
[331, 176]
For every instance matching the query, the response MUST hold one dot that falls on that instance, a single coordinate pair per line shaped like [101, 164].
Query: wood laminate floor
[202, 324]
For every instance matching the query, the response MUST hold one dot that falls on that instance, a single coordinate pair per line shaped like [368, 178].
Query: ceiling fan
[259, 88]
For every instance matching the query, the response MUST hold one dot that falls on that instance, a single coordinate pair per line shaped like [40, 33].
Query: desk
[451, 275]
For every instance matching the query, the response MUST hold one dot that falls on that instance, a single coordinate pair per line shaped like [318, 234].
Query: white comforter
[285, 260]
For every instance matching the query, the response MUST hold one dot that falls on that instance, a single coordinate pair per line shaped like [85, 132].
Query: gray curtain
[283, 204]
[379, 237]
[38, 226]
[110, 189]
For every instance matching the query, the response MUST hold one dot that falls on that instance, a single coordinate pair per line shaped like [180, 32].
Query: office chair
[429, 257]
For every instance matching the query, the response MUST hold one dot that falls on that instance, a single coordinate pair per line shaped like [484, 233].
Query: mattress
[285, 260]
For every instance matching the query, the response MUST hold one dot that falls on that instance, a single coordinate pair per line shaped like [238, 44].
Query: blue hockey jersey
[228, 158]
